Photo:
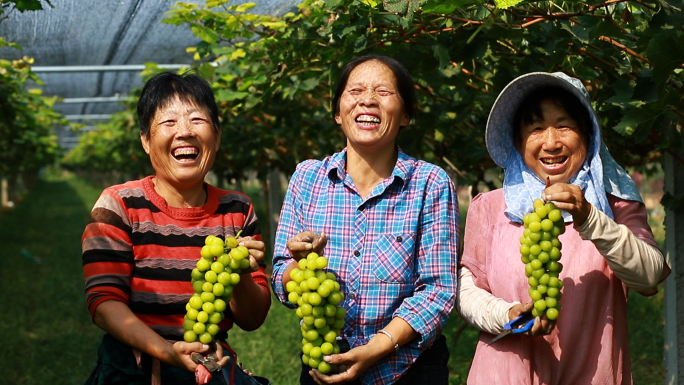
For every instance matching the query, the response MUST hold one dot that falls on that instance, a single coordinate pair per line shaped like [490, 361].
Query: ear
[405, 120]
[145, 143]
[338, 120]
[218, 140]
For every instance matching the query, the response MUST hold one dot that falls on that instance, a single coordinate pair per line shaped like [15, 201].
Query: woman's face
[552, 145]
[182, 143]
[371, 110]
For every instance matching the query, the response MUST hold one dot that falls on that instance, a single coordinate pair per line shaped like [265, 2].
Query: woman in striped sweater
[143, 238]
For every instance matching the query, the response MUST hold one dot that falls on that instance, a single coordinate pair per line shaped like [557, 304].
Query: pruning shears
[521, 324]
[210, 360]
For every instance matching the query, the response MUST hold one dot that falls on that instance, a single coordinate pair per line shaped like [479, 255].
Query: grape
[540, 252]
[322, 319]
[217, 272]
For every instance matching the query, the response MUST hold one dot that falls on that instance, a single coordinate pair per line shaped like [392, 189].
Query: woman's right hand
[181, 354]
[306, 242]
[542, 325]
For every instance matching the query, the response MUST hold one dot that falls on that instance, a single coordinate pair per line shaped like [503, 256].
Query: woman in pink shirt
[542, 128]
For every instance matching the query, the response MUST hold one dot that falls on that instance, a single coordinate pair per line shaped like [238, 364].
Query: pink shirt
[589, 344]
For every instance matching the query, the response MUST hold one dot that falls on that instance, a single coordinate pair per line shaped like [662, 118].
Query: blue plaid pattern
[395, 253]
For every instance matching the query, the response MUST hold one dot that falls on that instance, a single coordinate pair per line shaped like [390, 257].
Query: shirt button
[352, 295]
[399, 239]
[357, 253]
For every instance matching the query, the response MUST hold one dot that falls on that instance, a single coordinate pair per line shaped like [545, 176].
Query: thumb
[193, 347]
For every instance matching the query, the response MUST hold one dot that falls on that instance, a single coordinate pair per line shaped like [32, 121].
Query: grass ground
[48, 337]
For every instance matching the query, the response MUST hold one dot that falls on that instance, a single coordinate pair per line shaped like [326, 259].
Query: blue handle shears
[521, 324]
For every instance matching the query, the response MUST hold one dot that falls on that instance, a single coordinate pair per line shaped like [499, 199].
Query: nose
[551, 139]
[368, 98]
[184, 129]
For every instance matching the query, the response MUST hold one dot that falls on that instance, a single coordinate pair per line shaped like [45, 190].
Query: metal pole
[103, 99]
[104, 68]
[674, 253]
[86, 117]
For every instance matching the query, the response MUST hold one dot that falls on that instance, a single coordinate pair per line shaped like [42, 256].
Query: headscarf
[600, 173]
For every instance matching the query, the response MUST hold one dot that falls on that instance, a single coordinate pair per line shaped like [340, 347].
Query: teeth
[553, 162]
[185, 151]
[368, 119]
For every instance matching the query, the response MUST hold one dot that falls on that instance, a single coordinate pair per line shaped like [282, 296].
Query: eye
[168, 123]
[355, 91]
[385, 92]
[199, 120]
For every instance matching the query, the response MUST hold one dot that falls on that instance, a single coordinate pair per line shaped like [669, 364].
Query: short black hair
[405, 84]
[163, 87]
[530, 108]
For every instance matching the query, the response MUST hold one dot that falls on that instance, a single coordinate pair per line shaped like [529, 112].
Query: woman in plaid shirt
[387, 223]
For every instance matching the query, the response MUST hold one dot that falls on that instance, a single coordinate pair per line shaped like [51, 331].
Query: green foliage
[27, 142]
[274, 76]
[7, 6]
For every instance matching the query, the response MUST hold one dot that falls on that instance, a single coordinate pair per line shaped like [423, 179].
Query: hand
[350, 365]
[542, 325]
[570, 198]
[223, 360]
[181, 354]
[256, 251]
[306, 242]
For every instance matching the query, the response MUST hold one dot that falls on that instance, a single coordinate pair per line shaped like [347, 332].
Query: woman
[388, 226]
[542, 127]
[143, 238]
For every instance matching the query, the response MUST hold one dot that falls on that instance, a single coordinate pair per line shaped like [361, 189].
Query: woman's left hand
[570, 198]
[256, 251]
[351, 365]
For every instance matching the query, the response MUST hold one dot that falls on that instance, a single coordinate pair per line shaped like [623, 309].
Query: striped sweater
[139, 251]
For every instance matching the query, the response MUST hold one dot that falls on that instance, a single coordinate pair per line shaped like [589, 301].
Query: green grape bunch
[541, 252]
[317, 294]
[217, 272]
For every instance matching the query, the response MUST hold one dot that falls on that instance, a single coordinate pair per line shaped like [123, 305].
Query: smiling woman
[543, 129]
[144, 237]
[388, 224]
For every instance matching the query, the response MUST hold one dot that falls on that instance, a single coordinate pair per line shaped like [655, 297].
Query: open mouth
[367, 120]
[185, 154]
[554, 162]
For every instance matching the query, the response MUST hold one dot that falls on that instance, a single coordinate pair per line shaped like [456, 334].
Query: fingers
[183, 350]
[319, 242]
[519, 309]
[336, 378]
[570, 198]
[542, 326]
[256, 248]
[304, 243]
[191, 347]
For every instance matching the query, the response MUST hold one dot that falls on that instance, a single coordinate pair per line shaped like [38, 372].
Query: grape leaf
[440, 6]
[403, 6]
[503, 4]
[623, 92]
[442, 54]
[666, 53]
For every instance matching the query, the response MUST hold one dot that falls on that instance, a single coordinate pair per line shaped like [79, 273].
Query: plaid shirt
[394, 252]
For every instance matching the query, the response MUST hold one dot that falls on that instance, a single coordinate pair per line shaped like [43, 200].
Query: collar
[403, 168]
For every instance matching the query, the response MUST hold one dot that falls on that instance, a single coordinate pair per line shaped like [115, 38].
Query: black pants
[429, 369]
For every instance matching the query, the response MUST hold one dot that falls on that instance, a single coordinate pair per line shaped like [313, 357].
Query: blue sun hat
[600, 173]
